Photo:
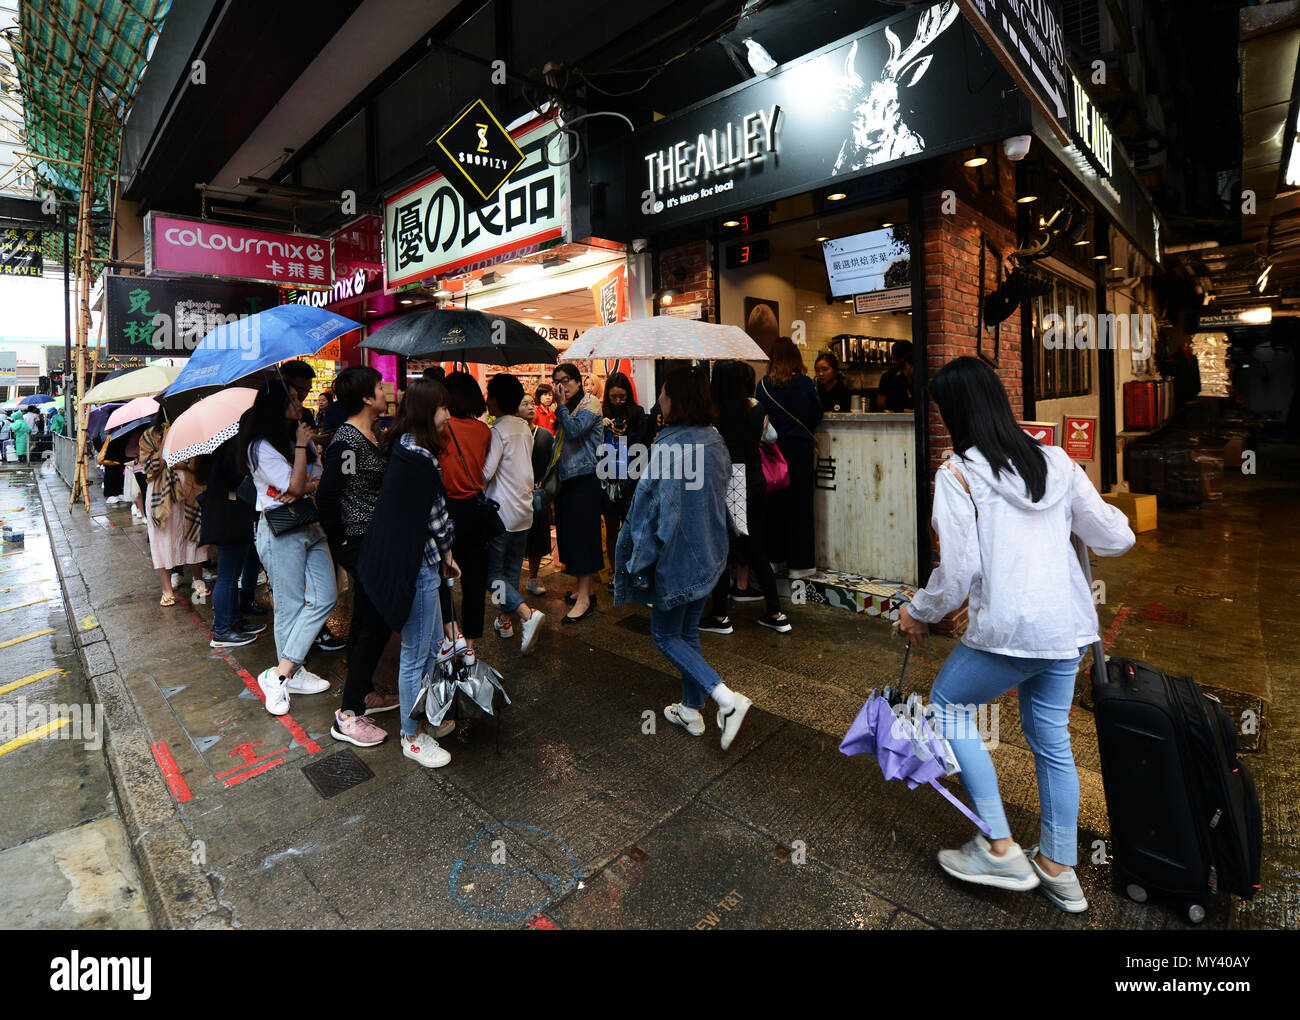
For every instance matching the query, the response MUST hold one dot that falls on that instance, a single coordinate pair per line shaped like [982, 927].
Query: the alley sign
[430, 231]
[1026, 35]
[178, 245]
[1090, 132]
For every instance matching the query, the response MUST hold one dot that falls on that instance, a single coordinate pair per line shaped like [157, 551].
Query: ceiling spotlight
[1026, 199]
[530, 309]
[823, 238]
[1078, 224]
[836, 196]
[1100, 258]
[406, 301]
[886, 224]
[548, 316]
[976, 161]
[731, 223]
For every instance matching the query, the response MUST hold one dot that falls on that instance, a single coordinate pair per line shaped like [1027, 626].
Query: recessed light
[1026, 199]
[836, 196]
[731, 223]
[530, 309]
[407, 301]
[548, 316]
[976, 161]
[823, 238]
[886, 225]
[1100, 258]
[1081, 242]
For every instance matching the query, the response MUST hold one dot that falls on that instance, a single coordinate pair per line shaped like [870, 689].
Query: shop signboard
[1089, 131]
[430, 231]
[1027, 37]
[909, 88]
[882, 300]
[610, 294]
[20, 253]
[177, 245]
[1043, 431]
[8, 368]
[105, 364]
[477, 154]
[871, 261]
[156, 318]
[1080, 438]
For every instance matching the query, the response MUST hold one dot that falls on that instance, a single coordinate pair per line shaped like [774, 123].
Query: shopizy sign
[430, 231]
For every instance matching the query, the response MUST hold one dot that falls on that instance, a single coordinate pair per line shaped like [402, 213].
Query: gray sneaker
[1064, 890]
[975, 863]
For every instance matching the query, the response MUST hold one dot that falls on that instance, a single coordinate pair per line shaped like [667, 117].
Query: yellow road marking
[89, 623]
[14, 553]
[26, 637]
[33, 735]
[34, 602]
[25, 584]
[28, 680]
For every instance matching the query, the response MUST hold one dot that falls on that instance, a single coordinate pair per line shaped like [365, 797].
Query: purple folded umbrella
[879, 731]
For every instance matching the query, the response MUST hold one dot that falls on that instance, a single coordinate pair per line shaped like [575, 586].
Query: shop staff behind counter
[895, 390]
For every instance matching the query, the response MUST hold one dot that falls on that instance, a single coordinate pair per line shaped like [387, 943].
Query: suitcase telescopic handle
[1099, 675]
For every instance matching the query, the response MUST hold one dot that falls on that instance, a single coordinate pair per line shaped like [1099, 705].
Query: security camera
[1017, 147]
[640, 244]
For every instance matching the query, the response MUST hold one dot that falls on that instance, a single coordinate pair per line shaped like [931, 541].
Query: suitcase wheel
[1196, 913]
[1136, 893]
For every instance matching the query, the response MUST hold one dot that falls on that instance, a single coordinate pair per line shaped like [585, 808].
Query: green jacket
[57, 422]
[21, 431]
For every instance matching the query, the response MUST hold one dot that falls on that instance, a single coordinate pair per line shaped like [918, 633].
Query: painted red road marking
[252, 772]
[543, 922]
[299, 734]
[249, 756]
[1121, 614]
[175, 781]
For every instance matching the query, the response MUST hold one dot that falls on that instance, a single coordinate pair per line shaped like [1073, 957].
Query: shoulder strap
[459, 454]
[778, 403]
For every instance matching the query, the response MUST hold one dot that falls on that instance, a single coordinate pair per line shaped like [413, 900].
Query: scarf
[172, 487]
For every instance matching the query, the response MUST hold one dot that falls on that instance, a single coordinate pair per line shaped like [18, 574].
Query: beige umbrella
[665, 336]
[142, 382]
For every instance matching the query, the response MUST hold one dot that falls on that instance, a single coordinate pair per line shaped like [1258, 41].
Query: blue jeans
[676, 633]
[421, 636]
[1046, 690]
[237, 568]
[505, 566]
[301, 573]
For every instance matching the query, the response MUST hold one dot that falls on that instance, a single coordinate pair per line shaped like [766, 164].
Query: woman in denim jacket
[578, 433]
[673, 547]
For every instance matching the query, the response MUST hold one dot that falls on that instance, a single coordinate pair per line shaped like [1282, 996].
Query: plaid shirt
[441, 528]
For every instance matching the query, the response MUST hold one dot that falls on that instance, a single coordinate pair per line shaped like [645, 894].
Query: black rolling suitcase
[1184, 814]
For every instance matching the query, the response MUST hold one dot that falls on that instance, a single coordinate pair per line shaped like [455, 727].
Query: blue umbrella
[259, 341]
[35, 398]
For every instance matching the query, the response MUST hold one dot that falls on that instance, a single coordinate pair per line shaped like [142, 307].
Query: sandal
[167, 600]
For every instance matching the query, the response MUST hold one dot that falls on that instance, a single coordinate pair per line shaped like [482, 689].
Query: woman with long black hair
[277, 448]
[407, 551]
[1005, 508]
[579, 430]
[743, 423]
[625, 429]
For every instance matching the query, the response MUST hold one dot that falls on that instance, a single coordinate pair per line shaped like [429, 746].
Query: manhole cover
[338, 772]
[636, 623]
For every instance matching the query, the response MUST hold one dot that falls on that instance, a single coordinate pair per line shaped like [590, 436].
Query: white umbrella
[665, 336]
[141, 382]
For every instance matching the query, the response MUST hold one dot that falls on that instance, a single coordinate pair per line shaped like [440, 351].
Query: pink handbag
[776, 472]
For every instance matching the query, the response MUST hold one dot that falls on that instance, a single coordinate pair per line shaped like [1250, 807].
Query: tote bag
[776, 472]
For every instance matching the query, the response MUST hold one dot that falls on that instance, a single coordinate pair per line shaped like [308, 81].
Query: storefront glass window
[1063, 357]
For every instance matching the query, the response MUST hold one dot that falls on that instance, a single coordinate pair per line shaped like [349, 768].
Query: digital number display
[749, 253]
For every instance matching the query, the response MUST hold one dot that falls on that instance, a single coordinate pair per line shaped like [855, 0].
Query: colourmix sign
[174, 245]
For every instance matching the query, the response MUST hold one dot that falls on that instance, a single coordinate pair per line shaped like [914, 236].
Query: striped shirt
[441, 528]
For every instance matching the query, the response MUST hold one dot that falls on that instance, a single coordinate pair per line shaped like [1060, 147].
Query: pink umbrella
[132, 411]
[207, 424]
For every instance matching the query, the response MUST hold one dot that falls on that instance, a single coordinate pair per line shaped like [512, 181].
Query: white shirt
[1013, 557]
[508, 471]
[273, 473]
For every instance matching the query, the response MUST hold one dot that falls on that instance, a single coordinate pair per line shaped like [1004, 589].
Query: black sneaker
[746, 594]
[252, 609]
[245, 627]
[231, 639]
[778, 622]
[716, 625]
[328, 642]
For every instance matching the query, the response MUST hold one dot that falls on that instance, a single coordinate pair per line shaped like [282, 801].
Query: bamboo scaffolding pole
[85, 239]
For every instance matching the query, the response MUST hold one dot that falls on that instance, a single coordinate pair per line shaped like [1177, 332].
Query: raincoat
[21, 431]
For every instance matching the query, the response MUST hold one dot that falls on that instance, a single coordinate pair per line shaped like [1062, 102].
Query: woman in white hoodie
[1005, 508]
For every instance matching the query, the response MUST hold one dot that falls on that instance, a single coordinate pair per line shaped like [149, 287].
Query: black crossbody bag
[485, 509]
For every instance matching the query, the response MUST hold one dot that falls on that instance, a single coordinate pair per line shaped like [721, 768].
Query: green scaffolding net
[76, 59]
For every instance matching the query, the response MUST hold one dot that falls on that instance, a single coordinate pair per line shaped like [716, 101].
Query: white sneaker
[307, 682]
[425, 750]
[730, 720]
[135, 513]
[976, 863]
[695, 726]
[534, 587]
[177, 579]
[275, 691]
[469, 658]
[506, 632]
[1064, 890]
[530, 628]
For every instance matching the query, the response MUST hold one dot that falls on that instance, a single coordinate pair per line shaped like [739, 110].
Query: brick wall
[952, 258]
[694, 258]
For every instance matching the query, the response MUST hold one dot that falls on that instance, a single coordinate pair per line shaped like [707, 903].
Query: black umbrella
[458, 334]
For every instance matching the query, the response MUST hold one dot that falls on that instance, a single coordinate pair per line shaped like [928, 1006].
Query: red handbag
[776, 472]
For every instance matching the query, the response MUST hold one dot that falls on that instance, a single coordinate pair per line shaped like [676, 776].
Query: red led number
[744, 254]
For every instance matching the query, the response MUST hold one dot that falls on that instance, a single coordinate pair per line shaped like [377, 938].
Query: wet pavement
[600, 814]
[65, 861]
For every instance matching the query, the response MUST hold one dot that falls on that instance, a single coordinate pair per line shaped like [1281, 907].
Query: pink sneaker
[356, 729]
[376, 702]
